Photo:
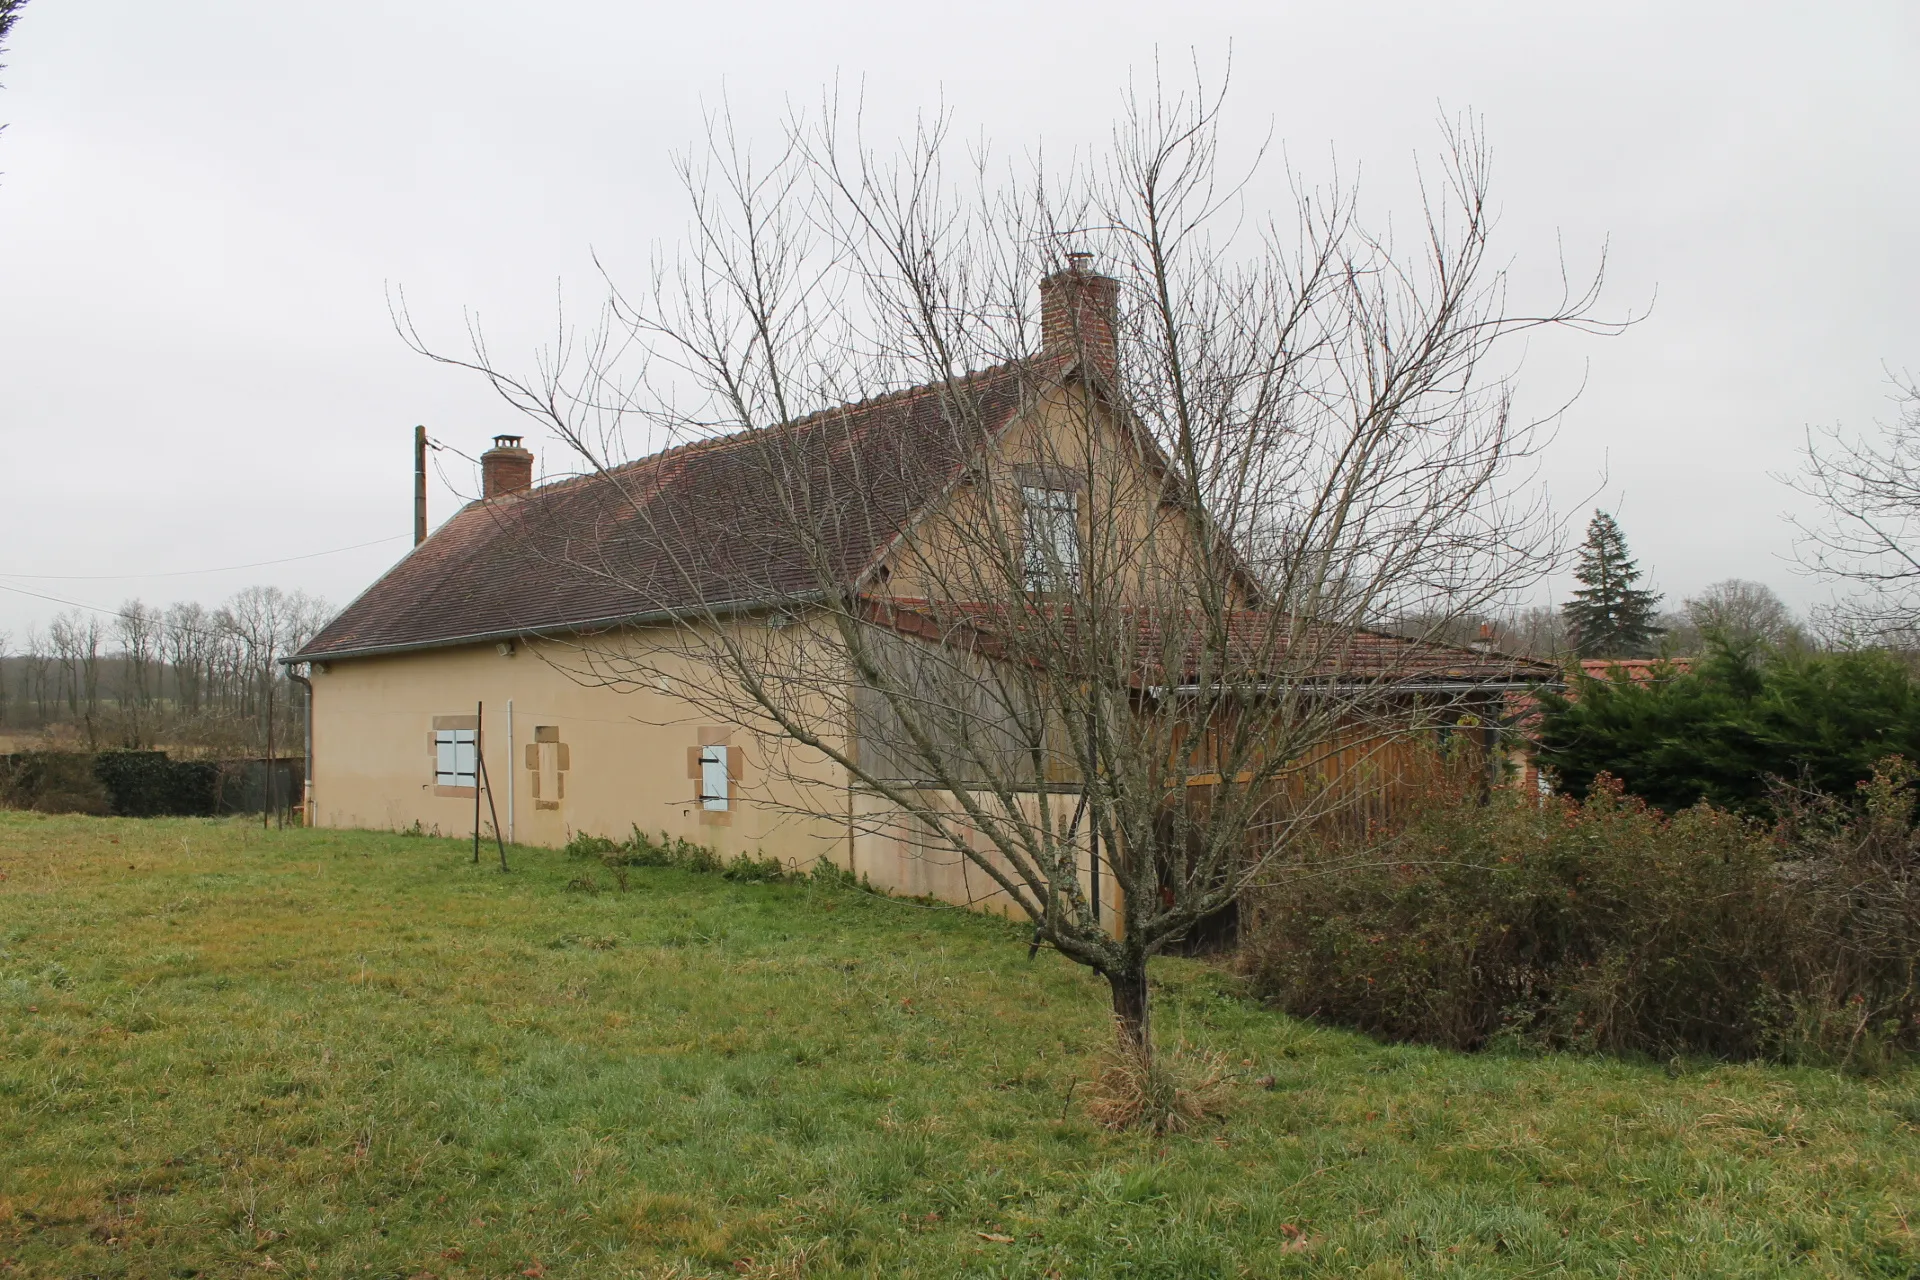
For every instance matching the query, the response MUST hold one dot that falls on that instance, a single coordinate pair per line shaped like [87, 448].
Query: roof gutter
[1503, 685]
[729, 608]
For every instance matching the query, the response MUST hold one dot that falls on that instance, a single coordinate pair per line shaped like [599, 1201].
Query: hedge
[127, 784]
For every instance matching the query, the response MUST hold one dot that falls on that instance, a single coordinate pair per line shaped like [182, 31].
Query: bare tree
[63, 637]
[184, 675]
[1868, 533]
[1130, 644]
[76, 636]
[186, 641]
[137, 629]
[1533, 631]
[32, 665]
[1538, 631]
[1738, 610]
[261, 625]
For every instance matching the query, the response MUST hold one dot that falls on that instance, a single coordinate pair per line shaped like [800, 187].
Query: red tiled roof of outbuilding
[1167, 648]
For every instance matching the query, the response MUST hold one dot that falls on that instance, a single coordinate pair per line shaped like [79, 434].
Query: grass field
[230, 1052]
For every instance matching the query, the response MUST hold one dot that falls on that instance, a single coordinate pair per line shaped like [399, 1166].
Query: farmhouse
[542, 661]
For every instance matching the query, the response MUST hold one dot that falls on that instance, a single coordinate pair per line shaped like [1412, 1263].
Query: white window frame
[716, 787]
[456, 757]
[1050, 528]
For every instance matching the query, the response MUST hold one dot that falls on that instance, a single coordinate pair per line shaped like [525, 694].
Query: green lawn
[225, 1051]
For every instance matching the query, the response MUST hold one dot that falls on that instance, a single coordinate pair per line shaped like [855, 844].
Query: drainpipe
[306, 772]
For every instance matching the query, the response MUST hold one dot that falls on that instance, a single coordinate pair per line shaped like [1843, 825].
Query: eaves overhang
[643, 618]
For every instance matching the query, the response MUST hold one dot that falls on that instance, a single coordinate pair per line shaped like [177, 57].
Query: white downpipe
[511, 771]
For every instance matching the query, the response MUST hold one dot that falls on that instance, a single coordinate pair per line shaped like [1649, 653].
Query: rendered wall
[628, 764]
[898, 851]
[630, 758]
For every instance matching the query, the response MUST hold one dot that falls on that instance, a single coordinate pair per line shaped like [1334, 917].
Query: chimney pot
[505, 468]
[1079, 314]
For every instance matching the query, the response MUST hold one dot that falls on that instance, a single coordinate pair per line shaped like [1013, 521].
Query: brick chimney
[505, 468]
[1079, 310]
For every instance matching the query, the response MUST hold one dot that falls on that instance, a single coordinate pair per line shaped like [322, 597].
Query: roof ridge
[469, 576]
[686, 448]
[906, 393]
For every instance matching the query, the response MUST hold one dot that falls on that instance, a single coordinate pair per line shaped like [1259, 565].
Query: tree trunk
[1130, 1007]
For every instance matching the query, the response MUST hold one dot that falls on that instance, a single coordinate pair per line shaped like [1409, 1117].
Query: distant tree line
[180, 676]
[1609, 615]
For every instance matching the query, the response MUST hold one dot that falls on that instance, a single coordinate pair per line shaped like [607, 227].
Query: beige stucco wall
[627, 754]
[898, 851]
[1132, 540]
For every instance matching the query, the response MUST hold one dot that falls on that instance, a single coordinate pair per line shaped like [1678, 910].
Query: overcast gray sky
[202, 204]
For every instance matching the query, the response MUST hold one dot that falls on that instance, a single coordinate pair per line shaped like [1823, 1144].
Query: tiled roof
[1635, 670]
[1160, 648]
[700, 525]
[711, 524]
[1523, 710]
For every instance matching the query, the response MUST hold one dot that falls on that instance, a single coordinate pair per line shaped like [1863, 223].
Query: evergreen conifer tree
[1610, 617]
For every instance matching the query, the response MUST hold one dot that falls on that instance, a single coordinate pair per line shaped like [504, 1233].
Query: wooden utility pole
[419, 485]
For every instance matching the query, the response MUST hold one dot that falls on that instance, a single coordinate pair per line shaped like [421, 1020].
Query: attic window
[1050, 538]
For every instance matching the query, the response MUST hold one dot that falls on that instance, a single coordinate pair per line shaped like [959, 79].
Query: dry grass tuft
[1164, 1093]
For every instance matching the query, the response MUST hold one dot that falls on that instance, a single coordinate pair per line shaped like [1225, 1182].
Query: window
[713, 778]
[1051, 539]
[455, 762]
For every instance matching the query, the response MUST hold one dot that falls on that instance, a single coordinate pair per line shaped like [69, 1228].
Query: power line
[228, 568]
[94, 608]
[114, 613]
[22, 591]
[190, 573]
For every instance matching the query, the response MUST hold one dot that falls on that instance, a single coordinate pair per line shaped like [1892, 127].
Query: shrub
[52, 782]
[1852, 881]
[145, 784]
[1729, 730]
[1607, 924]
[641, 850]
[125, 784]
